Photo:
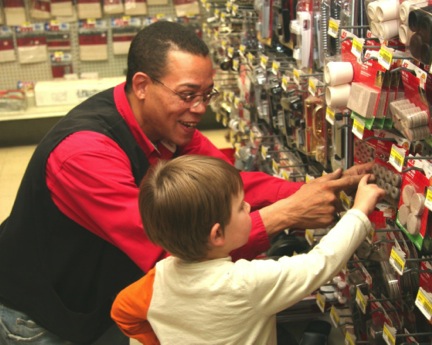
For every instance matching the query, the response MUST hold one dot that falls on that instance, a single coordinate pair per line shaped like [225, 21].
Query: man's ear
[216, 237]
[140, 81]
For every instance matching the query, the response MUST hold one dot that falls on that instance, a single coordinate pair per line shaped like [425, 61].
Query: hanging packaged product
[62, 8]
[31, 43]
[40, 9]
[89, 9]
[14, 11]
[303, 28]
[135, 7]
[411, 113]
[113, 7]
[7, 47]
[93, 40]
[123, 31]
[413, 216]
[186, 8]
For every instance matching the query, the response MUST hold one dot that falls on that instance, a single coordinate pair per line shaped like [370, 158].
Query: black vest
[51, 268]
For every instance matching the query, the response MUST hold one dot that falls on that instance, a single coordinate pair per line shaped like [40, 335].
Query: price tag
[296, 74]
[309, 236]
[264, 61]
[285, 82]
[235, 9]
[250, 58]
[357, 47]
[330, 115]
[397, 260]
[346, 200]
[264, 150]
[385, 57]
[275, 67]
[389, 334]
[235, 64]
[242, 49]
[285, 174]
[424, 303]
[397, 157]
[242, 126]
[230, 51]
[334, 317]
[358, 128]
[333, 28]
[428, 201]
[225, 121]
[361, 300]
[275, 167]
[350, 339]
[312, 88]
[320, 301]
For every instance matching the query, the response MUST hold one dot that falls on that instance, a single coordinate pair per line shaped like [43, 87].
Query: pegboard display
[13, 72]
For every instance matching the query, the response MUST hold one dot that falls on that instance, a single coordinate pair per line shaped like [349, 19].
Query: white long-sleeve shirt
[224, 302]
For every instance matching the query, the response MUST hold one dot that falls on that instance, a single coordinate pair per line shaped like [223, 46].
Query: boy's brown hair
[181, 199]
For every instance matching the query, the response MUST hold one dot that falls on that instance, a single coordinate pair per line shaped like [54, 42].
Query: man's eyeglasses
[193, 100]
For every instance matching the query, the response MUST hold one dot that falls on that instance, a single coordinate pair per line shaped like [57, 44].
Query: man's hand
[315, 204]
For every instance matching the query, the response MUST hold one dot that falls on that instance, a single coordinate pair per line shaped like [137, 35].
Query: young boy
[194, 208]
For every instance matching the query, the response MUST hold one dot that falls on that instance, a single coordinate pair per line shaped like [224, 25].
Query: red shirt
[91, 182]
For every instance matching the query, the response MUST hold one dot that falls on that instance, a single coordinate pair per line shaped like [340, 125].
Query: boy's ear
[216, 237]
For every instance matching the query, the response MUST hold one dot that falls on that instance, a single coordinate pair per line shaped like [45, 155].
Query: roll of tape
[371, 10]
[417, 202]
[405, 34]
[337, 96]
[338, 72]
[387, 10]
[413, 224]
[407, 192]
[389, 29]
[403, 213]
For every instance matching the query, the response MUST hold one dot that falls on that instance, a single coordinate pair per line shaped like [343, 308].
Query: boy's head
[182, 199]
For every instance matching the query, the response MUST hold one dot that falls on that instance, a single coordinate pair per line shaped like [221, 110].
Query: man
[74, 238]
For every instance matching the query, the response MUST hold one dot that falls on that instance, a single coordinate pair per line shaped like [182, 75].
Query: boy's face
[238, 229]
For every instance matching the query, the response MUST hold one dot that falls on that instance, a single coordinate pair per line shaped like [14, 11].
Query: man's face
[165, 116]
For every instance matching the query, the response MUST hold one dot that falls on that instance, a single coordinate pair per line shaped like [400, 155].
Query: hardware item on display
[328, 84]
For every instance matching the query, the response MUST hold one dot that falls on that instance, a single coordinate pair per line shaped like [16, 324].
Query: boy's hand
[367, 195]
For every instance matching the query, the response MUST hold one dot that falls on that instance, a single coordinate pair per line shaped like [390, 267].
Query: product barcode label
[350, 339]
[334, 316]
[424, 303]
[320, 301]
[357, 47]
[389, 334]
[397, 260]
[361, 300]
[385, 58]
[397, 157]
[358, 128]
[333, 28]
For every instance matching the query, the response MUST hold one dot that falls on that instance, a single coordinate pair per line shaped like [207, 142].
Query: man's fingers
[334, 175]
[345, 182]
